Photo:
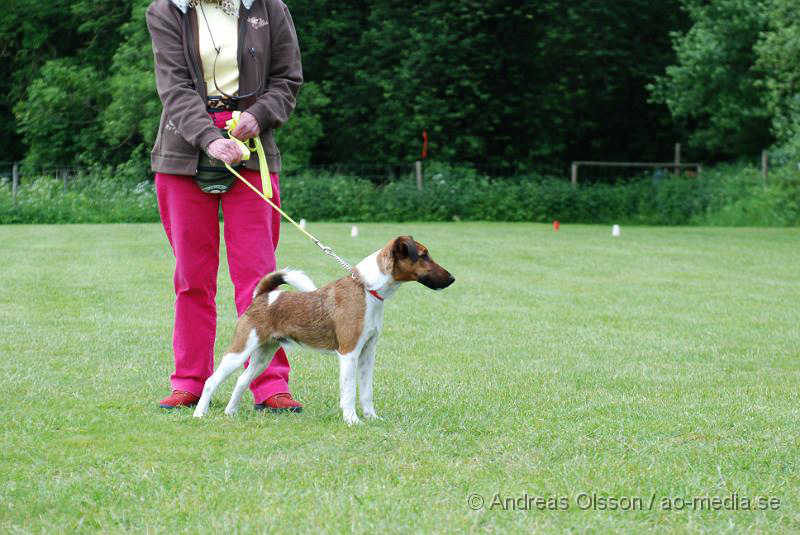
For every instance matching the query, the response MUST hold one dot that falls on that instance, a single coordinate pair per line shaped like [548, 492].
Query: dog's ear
[405, 247]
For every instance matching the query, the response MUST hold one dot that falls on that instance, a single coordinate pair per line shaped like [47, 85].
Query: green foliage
[87, 199]
[61, 100]
[31, 33]
[715, 85]
[57, 119]
[516, 84]
[726, 196]
[779, 57]
[522, 86]
[459, 194]
[130, 121]
[298, 137]
[98, 24]
[750, 201]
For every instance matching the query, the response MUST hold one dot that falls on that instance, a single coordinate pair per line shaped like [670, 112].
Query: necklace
[219, 49]
[229, 7]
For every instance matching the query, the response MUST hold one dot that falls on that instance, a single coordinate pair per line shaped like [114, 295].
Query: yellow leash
[258, 148]
[266, 183]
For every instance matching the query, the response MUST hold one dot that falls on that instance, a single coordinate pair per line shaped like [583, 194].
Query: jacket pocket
[171, 142]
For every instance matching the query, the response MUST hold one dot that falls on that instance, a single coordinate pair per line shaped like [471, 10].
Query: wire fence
[384, 173]
[69, 171]
[377, 173]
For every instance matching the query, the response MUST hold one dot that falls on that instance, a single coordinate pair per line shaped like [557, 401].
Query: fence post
[418, 168]
[15, 182]
[677, 170]
[764, 165]
[574, 176]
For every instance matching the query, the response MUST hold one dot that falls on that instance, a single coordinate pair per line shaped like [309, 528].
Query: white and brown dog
[345, 316]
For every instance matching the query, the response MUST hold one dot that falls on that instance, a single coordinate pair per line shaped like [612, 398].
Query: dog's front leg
[366, 363]
[347, 386]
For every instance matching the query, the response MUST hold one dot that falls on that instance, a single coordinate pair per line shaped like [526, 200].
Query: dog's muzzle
[435, 283]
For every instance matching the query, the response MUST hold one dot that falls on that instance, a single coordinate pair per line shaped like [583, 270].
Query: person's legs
[252, 229]
[191, 221]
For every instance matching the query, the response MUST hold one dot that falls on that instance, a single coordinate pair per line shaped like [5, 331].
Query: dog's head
[408, 260]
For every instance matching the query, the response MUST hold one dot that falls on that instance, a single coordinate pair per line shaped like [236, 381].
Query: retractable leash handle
[258, 148]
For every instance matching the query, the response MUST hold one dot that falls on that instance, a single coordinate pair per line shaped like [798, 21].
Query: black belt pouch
[212, 175]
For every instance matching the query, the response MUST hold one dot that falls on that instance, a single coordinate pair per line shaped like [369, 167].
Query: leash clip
[325, 249]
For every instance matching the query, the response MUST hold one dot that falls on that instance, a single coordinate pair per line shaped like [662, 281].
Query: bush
[722, 196]
[749, 201]
[85, 199]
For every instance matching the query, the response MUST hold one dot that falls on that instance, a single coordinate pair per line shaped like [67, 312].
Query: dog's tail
[292, 277]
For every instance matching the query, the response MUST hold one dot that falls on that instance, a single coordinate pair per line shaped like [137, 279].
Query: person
[213, 57]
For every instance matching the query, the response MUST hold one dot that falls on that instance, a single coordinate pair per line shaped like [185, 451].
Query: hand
[226, 150]
[247, 127]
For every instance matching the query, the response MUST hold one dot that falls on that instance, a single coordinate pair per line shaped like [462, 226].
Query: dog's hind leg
[259, 361]
[366, 364]
[347, 386]
[230, 362]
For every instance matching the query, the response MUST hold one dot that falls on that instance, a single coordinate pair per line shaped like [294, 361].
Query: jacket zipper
[240, 44]
[200, 87]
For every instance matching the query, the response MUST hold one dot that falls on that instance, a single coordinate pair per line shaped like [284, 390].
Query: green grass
[665, 362]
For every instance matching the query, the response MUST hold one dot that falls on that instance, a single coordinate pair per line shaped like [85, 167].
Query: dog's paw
[351, 418]
[370, 415]
[199, 413]
[230, 411]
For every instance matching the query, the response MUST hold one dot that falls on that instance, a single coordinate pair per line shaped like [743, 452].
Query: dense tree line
[735, 84]
[512, 83]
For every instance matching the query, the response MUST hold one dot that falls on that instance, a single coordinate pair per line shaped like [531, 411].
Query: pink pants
[191, 221]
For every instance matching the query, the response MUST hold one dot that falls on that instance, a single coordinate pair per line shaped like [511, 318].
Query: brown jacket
[267, 41]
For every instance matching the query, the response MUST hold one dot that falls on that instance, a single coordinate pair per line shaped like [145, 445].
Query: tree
[61, 100]
[31, 33]
[522, 85]
[715, 85]
[298, 137]
[130, 120]
[57, 120]
[510, 83]
[779, 58]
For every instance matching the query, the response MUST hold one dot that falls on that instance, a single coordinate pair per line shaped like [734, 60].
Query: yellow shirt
[225, 31]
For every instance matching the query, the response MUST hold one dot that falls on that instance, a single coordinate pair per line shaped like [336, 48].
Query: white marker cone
[354, 232]
[302, 223]
[615, 231]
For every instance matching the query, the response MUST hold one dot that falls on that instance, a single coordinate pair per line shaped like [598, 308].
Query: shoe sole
[164, 406]
[262, 408]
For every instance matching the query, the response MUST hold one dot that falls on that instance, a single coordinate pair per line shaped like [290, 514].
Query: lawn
[648, 370]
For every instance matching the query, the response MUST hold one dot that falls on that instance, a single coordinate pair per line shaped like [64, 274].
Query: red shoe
[279, 403]
[179, 398]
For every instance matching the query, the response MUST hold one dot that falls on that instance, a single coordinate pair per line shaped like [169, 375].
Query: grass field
[660, 366]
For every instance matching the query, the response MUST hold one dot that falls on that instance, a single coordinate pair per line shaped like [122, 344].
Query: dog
[346, 316]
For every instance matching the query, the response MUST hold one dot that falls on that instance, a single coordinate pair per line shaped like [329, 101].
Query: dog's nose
[450, 280]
